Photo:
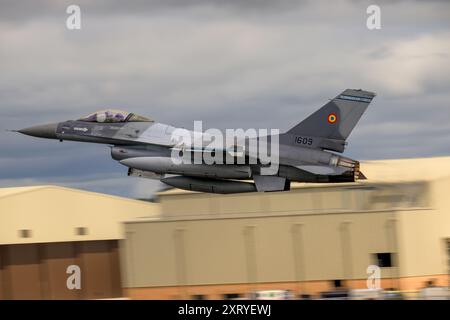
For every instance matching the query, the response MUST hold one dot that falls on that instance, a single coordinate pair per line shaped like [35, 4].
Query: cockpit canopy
[112, 115]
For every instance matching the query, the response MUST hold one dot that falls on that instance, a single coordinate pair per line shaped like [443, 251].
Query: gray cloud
[263, 64]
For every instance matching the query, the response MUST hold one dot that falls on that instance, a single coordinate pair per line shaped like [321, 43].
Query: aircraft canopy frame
[114, 116]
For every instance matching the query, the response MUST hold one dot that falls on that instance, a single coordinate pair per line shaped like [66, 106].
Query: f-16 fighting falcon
[181, 158]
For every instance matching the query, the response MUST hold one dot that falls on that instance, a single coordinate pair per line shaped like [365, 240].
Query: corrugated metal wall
[39, 271]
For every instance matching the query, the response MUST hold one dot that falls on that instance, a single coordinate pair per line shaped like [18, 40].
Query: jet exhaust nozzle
[353, 174]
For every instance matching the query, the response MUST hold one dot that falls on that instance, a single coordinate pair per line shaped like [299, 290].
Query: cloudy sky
[232, 64]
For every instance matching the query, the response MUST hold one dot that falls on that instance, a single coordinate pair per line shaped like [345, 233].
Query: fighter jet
[305, 153]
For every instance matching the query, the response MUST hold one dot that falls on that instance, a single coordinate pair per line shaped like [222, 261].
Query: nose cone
[47, 131]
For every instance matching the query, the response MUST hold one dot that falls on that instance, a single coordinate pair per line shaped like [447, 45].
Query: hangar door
[39, 271]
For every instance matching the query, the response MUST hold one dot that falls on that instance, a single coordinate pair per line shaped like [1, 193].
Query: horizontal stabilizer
[323, 170]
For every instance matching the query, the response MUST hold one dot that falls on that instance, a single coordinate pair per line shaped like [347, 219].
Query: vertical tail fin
[336, 119]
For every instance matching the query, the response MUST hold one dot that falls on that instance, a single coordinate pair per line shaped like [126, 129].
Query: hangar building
[46, 229]
[216, 246]
[194, 245]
